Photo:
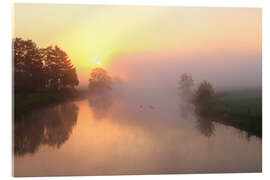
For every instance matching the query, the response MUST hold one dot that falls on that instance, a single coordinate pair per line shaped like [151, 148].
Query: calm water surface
[129, 135]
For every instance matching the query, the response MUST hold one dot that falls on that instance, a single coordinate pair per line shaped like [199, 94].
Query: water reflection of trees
[205, 126]
[100, 104]
[199, 101]
[188, 107]
[51, 126]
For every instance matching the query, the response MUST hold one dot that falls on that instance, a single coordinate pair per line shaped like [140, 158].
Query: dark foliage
[99, 81]
[204, 97]
[205, 126]
[46, 69]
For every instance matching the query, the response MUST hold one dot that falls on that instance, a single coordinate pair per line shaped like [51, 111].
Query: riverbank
[25, 102]
[241, 109]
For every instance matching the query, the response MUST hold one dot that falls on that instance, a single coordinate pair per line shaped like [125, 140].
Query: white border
[5, 69]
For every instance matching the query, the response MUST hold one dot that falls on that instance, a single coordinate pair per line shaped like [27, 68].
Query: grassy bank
[241, 109]
[25, 102]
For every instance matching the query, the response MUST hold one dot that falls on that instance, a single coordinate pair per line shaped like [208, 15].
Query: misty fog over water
[130, 130]
[107, 100]
[225, 71]
[142, 126]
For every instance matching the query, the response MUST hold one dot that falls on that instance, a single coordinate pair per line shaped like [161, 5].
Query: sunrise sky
[110, 36]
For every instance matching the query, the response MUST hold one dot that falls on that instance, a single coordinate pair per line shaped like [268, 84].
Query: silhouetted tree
[186, 82]
[28, 67]
[203, 98]
[60, 72]
[206, 126]
[185, 85]
[99, 81]
[41, 69]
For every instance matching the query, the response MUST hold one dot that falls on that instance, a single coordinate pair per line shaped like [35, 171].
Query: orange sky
[95, 35]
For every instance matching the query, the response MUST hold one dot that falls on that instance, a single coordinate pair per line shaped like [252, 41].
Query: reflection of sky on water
[137, 135]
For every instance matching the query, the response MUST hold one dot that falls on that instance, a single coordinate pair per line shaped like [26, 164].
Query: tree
[185, 85]
[38, 69]
[28, 67]
[60, 73]
[67, 72]
[99, 81]
[186, 81]
[204, 97]
[205, 126]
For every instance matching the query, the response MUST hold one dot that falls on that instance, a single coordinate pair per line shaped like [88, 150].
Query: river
[111, 135]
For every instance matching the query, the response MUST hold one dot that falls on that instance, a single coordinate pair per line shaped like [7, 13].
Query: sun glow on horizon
[101, 36]
[95, 61]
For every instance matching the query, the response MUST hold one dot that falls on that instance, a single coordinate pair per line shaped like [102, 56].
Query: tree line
[202, 97]
[42, 69]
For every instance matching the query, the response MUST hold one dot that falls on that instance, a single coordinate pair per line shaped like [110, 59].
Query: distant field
[242, 104]
[241, 108]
